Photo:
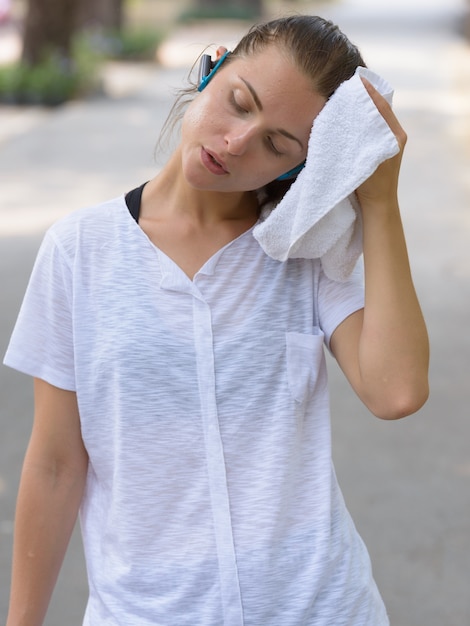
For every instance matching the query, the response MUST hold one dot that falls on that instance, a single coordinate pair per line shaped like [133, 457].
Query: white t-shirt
[211, 498]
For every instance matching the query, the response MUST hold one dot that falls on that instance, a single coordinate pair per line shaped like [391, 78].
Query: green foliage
[223, 12]
[56, 79]
[53, 81]
[129, 44]
[137, 44]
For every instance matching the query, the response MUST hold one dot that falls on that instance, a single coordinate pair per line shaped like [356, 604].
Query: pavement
[407, 483]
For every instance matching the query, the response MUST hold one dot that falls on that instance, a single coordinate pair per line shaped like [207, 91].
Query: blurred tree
[48, 28]
[51, 24]
[216, 8]
[106, 15]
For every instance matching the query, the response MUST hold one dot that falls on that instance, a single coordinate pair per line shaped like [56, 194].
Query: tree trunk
[49, 27]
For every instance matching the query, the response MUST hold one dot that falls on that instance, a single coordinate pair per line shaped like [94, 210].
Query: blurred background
[85, 86]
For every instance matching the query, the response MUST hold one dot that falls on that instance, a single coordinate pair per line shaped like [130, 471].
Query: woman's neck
[190, 225]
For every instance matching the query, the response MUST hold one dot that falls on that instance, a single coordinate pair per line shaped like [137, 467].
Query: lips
[213, 163]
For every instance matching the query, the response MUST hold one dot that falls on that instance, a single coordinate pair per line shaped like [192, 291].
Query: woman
[180, 384]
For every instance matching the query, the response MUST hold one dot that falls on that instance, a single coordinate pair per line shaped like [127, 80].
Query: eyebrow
[254, 95]
[259, 106]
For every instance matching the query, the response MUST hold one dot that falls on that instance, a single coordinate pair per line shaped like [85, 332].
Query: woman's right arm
[51, 489]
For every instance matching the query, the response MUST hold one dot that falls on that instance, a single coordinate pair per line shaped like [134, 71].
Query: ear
[221, 50]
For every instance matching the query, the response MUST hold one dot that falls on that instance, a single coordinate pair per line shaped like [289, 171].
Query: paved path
[407, 483]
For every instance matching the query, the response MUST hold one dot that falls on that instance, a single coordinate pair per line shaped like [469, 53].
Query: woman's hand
[381, 187]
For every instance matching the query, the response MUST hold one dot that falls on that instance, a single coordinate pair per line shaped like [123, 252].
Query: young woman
[180, 386]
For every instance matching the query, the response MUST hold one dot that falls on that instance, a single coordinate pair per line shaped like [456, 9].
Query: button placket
[220, 502]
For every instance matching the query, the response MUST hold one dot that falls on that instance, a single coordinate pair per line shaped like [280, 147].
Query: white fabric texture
[211, 498]
[319, 217]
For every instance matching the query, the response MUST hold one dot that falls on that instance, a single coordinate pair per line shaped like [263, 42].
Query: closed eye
[236, 105]
[272, 147]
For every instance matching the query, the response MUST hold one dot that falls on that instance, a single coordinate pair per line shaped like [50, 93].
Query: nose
[239, 138]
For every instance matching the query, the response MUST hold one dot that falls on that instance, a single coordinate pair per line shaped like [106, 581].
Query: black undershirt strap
[133, 199]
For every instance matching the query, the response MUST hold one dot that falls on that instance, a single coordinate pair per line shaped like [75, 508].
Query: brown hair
[317, 48]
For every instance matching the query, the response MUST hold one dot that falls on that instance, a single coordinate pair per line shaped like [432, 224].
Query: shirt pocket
[304, 353]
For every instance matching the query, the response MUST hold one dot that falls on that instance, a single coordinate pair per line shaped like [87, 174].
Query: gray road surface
[407, 483]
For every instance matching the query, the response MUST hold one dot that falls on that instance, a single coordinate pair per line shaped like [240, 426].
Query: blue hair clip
[209, 76]
[291, 173]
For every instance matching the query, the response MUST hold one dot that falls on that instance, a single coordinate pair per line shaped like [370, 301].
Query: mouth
[213, 163]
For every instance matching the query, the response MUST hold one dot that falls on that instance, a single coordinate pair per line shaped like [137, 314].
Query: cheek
[194, 116]
[198, 119]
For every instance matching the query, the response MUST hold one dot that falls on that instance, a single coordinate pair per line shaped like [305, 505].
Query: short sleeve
[42, 341]
[337, 300]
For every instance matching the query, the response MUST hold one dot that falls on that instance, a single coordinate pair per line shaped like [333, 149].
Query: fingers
[386, 112]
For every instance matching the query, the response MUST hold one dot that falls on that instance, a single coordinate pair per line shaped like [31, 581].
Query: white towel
[319, 217]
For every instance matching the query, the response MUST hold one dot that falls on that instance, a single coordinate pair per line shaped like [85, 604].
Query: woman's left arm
[383, 349]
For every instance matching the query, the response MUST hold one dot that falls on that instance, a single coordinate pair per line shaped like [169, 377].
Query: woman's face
[249, 125]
